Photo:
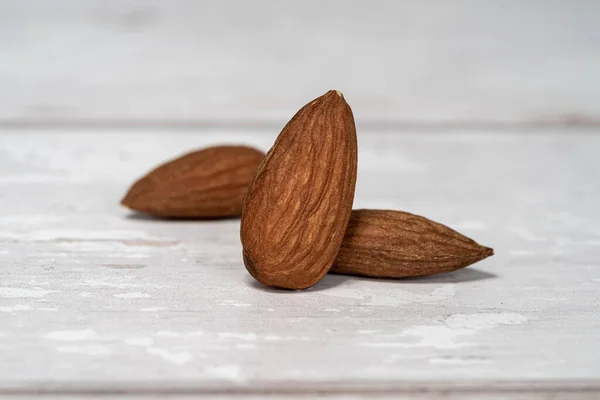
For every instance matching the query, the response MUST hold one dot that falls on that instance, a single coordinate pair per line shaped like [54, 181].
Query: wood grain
[189, 314]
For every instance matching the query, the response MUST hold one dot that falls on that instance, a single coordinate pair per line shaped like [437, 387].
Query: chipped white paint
[87, 350]
[498, 320]
[448, 290]
[174, 357]
[241, 336]
[275, 338]
[132, 295]
[139, 341]
[234, 304]
[152, 309]
[459, 361]
[368, 297]
[449, 334]
[476, 322]
[15, 292]
[73, 335]
[136, 255]
[179, 334]
[367, 331]
[120, 285]
[35, 219]
[229, 372]
[18, 307]
[71, 235]
[246, 346]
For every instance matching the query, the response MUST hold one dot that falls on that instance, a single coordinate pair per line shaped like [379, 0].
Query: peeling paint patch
[71, 235]
[229, 372]
[136, 255]
[178, 358]
[150, 243]
[118, 285]
[121, 266]
[460, 360]
[132, 295]
[139, 341]
[36, 220]
[274, 338]
[152, 309]
[246, 346]
[368, 331]
[371, 297]
[88, 350]
[445, 336]
[75, 335]
[241, 336]
[234, 303]
[15, 293]
[179, 334]
[18, 307]
[483, 320]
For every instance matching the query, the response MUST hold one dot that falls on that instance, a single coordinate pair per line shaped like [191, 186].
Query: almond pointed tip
[488, 251]
[334, 93]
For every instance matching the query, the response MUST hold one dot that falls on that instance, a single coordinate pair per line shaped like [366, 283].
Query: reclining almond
[297, 208]
[396, 244]
[208, 183]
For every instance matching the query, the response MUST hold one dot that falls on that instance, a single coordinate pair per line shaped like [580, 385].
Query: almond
[298, 206]
[208, 183]
[396, 244]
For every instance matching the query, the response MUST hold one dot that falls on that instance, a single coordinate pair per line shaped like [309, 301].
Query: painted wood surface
[235, 61]
[95, 298]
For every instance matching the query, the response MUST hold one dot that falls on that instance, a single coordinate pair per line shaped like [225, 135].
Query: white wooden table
[96, 301]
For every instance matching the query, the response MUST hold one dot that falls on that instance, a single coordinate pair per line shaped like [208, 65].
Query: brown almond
[396, 244]
[208, 183]
[298, 206]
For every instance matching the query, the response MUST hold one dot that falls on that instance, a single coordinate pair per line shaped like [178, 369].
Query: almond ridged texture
[208, 183]
[298, 206]
[396, 244]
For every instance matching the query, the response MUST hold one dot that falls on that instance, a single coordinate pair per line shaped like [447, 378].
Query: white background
[252, 62]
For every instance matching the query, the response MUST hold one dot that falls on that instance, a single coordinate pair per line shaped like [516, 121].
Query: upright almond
[207, 183]
[396, 244]
[297, 208]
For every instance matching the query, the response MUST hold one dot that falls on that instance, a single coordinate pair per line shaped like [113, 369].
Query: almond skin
[298, 206]
[208, 183]
[396, 244]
